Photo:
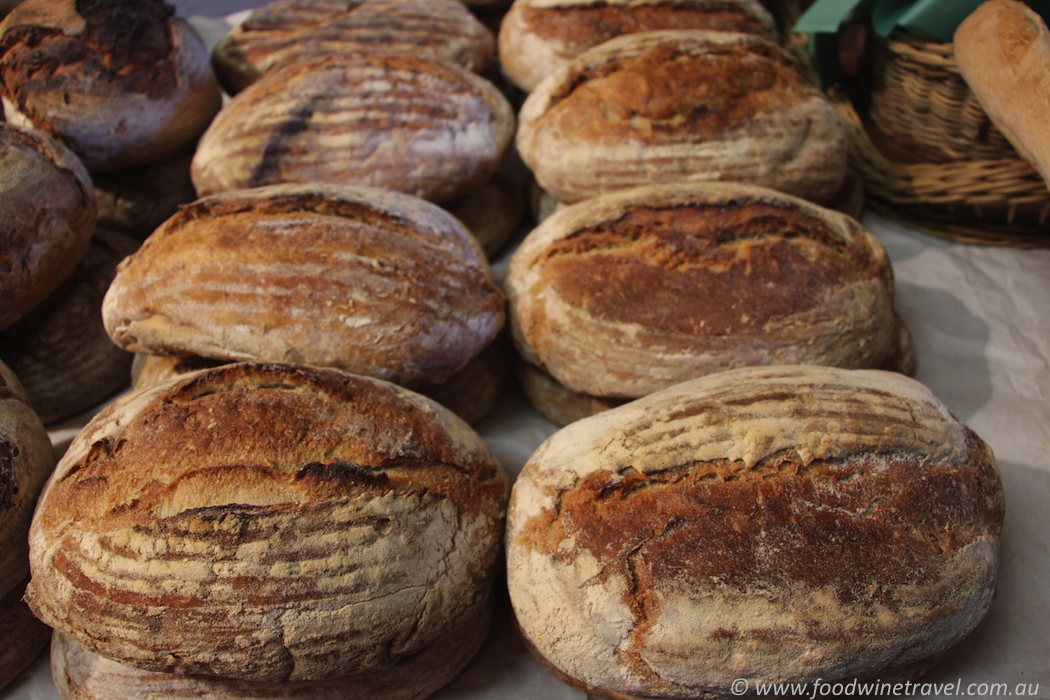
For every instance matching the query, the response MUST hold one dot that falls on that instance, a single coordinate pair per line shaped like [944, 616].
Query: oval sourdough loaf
[363, 279]
[295, 30]
[678, 106]
[49, 213]
[539, 37]
[772, 524]
[631, 292]
[26, 460]
[404, 122]
[268, 523]
[121, 82]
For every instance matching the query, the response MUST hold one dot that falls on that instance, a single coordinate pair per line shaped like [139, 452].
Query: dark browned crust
[22, 636]
[662, 266]
[137, 200]
[125, 47]
[724, 86]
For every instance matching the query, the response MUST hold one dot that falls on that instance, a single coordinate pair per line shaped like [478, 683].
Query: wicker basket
[930, 157]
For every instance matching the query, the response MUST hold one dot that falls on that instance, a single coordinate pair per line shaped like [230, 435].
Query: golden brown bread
[49, 213]
[682, 106]
[363, 279]
[60, 350]
[538, 37]
[1003, 52]
[628, 293]
[404, 122]
[68, 68]
[295, 30]
[267, 523]
[778, 524]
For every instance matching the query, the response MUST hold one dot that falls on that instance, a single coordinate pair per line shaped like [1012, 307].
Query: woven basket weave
[930, 156]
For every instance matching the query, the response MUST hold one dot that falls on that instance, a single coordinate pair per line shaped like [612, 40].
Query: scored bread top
[267, 522]
[628, 293]
[678, 106]
[363, 279]
[401, 121]
[780, 524]
[538, 37]
[294, 30]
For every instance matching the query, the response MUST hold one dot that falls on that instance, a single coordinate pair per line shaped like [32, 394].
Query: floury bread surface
[772, 524]
[362, 279]
[267, 523]
[681, 106]
[294, 30]
[401, 121]
[539, 37]
[631, 292]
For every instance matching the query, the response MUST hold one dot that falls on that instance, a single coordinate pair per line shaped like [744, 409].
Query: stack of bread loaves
[264, 530]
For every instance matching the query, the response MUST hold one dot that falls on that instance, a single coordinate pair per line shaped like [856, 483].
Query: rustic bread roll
[60, 350]
[22, 636]
[295, 30]
[83, 675]
[1003, 52]
[631, 292]
[682, 106]
[404, 122]
[471, 393]
[49, 214]
[366, 280]
[121, 82]
[26, 460]
[135, 201]
[777, 524]
[158, 542]
[539, 37]
[492, 212]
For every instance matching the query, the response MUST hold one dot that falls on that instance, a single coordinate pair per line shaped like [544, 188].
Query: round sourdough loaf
[295, 30]
[49, 213]
[772, 524]
[539, 37]
[631, 292]
[60, 350]
[401, 121]
[358, 278]
[680, 106]
[26, 460]
[121, 82]
[268, 523]
[83, 675]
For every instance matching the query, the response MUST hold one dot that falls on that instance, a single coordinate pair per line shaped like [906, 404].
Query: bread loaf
[295, 30]
[775, 524]
[628, 293]
[403, 122]
[121, 82]
[60, 350]
[682, 106]
[362, 279]
[1003, 52]
[26, 460]
[539, 37]
[22, 636]
[49, 215]
[492, 212]
[268, 523]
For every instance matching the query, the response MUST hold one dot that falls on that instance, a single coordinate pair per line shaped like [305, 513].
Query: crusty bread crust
[1003, 52]
[267, 523]
[539, 37]
[400, 121]
[775, 524]
[628, 293]
[294, 30]
[366, 280]
[681, 106]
